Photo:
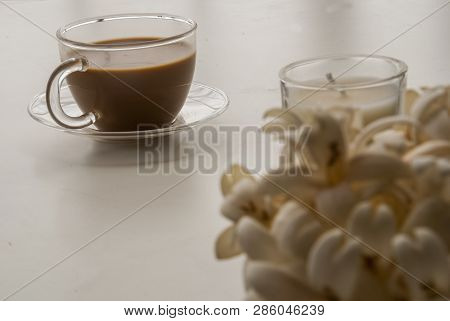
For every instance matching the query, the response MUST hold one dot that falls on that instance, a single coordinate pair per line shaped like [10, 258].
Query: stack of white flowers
[371, 222]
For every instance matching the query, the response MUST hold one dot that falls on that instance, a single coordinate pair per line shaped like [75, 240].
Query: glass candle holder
[373, 86]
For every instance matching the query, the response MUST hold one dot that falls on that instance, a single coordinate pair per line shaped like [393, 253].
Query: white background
[58, 191]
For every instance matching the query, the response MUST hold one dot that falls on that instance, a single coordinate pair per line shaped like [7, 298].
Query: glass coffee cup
[126, 72]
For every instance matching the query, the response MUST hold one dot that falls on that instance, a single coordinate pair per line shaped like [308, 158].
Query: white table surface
[58, 191]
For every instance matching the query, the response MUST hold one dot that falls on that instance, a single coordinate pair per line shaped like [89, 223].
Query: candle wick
[332, 81]
[330, 78]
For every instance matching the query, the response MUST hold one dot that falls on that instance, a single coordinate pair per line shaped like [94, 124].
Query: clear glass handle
[53, 95]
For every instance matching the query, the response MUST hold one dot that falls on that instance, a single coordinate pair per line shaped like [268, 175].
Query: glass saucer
[203, 103]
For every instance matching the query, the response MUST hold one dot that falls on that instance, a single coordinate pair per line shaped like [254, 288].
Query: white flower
[374, 226]
[432, 175]
[390, 141]
[241, 199]
[371, 221]
[295, 230]
[271, 282]
[425, 257]
[333, 264]
[432, 109]
[256, 241]
[433, 213]
[336, 202]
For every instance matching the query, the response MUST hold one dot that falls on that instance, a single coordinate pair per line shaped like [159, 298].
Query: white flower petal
[280, 119]
[336, 203]
[443, 166]
[430, 174]
[370, 166]
[252, 295]
[227, 244]
[433, 147]
[438, 127]
[410, 96]
[256, 241]
[295, 229]
[425, 257]
[242, 193]
[375, 227]
[428, 102]
[389, 141]
[326, 142]
[273, 283]
[334, 264]
[234, 174]
[433, 213]
[359, 143]
[276, 183]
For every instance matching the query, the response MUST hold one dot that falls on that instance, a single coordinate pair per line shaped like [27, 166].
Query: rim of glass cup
[117, 46]
[402, 68]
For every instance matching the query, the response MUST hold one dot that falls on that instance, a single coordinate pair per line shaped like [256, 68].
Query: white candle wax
[371, 102]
